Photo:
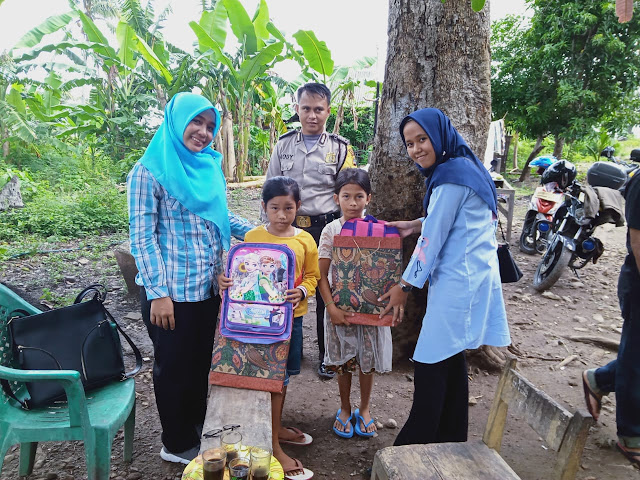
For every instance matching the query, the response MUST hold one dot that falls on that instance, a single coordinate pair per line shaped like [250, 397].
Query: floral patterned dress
[352, 345]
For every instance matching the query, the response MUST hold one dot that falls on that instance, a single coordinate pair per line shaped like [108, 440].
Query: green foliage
[568, 69]
[28, 186]
[259, 151]
[100, 207]
[361, 138]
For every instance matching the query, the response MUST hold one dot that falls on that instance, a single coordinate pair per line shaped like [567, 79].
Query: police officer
[313, 158]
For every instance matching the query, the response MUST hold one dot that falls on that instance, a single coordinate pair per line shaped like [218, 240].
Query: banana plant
[257, 52]
[13, 111]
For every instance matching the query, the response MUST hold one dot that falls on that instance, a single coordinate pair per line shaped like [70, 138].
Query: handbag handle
[136, 352]
[100, 293]
[6, 388]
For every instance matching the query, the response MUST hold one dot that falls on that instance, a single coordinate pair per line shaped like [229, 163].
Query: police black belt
[304, 221]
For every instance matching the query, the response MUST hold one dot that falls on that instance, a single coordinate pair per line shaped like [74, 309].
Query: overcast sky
[351, 28]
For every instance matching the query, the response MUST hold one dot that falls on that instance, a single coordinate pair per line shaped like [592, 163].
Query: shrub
[99, 208]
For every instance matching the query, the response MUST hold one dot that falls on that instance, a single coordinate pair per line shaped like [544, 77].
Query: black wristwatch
[406, 288]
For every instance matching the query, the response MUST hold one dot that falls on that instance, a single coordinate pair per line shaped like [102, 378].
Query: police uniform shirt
[314, 170]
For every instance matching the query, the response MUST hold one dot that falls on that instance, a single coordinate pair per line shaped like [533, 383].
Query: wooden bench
[250, 409]
[563, 432]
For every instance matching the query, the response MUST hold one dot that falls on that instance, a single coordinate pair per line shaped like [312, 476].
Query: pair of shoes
[324, 373]
[359, 419]
[633, 457]
[306, 438]
[590, 393]
[182, 457]
[305, 475]
[344, 434]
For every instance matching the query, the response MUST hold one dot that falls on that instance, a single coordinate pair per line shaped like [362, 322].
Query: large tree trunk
[227, 147]
[437, 56]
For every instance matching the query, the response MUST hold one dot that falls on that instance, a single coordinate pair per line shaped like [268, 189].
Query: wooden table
[423, 462]
[507, 193]
[250, 409]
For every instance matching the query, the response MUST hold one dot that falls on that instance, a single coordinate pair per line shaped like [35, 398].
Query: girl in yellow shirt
[280, 201]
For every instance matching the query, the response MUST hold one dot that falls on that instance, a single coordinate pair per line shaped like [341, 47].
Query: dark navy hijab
[455, 162]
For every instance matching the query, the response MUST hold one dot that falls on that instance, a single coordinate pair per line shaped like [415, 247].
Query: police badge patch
[330, 158]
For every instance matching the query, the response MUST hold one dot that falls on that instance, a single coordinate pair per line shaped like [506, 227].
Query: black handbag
[82, 337]
[509, 270]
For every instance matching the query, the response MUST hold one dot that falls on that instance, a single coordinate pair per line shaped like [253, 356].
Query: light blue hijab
[194, 179]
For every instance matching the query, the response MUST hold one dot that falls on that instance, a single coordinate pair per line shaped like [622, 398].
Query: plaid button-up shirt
[178, 253]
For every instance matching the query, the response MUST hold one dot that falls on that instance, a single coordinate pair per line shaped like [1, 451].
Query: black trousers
[182, 360]
[440, 410]
[315, 231]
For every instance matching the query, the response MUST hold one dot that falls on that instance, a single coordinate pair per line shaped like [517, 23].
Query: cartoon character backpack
[367, 262]
[252, 345]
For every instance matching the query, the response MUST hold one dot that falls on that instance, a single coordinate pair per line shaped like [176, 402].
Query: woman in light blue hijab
[179, 226]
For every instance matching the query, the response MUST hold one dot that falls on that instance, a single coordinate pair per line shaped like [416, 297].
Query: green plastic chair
[94, 417]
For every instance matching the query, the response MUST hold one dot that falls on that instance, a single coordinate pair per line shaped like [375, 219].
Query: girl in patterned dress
[348, 348]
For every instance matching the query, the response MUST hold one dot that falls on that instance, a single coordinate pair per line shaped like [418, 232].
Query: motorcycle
[544, 202]
[571, 243]
[628, 167]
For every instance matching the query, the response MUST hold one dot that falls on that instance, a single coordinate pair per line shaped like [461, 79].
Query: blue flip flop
[348, 434]
[366, 425]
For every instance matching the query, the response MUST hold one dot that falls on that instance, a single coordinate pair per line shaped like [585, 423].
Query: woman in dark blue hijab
[456, 254]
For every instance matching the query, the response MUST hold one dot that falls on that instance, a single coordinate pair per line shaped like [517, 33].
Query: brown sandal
[633, 457]
[588, 395]
[305, 475]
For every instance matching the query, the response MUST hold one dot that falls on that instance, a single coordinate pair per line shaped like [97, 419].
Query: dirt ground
[539, 325]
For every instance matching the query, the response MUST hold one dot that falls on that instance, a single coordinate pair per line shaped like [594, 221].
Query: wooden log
[250, 409]
[258, 182]
[127, 266]
[601, 341]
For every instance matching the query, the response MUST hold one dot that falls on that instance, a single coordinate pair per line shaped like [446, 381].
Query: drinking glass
[213, 462]
[260, 462]
[239, 468]
[231, 442]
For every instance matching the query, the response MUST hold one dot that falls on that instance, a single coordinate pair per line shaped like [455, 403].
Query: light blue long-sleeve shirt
[456, 253]
[178, 253]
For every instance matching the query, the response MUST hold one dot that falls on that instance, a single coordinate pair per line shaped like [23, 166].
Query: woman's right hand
[224, 282]
[397, 300]
[337, 316]
[407, 227]
[162, 313]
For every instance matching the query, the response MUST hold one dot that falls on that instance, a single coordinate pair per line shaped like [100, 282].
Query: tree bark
[227, 147]
[536, 150]
[558, 146]
[516, 135]
[437, 56]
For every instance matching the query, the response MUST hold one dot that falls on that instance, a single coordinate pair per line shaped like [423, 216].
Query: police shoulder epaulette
[288, 134]
[340, 138]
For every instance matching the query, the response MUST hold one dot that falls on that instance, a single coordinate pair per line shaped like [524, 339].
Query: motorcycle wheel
[526, 237]
[552, 266]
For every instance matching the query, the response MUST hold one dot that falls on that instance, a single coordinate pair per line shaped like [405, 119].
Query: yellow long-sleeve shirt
[306, 252]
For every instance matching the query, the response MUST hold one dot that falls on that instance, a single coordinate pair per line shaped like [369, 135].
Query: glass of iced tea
[213, 462]
[260, 462]
[231, 442]
[239, 468]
